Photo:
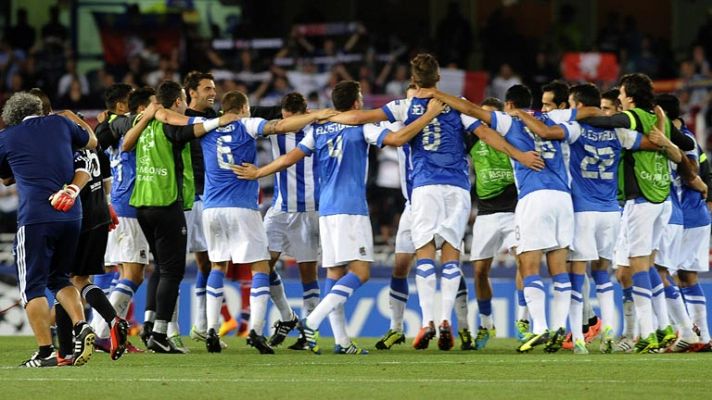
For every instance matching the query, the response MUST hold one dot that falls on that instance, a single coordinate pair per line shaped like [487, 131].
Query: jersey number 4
[600, 160]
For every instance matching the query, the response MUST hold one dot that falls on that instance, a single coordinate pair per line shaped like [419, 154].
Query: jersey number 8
[431, 136]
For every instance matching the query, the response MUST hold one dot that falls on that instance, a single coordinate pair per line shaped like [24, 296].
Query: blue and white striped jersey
[296, 189]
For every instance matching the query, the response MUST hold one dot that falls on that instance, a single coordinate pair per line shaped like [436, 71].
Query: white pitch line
[338, 380]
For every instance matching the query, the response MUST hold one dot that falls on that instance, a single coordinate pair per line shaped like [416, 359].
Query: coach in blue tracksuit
[39, 152]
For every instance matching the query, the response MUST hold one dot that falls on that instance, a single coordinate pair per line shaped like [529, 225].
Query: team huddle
[614, 180]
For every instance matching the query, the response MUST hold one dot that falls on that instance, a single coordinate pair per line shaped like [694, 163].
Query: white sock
[397, 301]
[643, 305]
[576, 309]
[562, 301]
[461, 306]
[337, 320]
[586, 296]
[604, 292]
[629, 319]
[660, 307]
[697, 307]
[173, 328]
[339, 293]
[310, 297]
[259, 295]
[100, 327]
[121, 296]
[215, 293]
[536, 303]
[425, 284]
[201, 301]
[279, 298]
[449, 284]
[522, 309]
[676, 307]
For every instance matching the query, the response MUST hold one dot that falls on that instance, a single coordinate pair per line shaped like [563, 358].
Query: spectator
[398, 85]
[388, 193]
[166, 72]
[454, 37]
[503, 81]
[71, 75]
[307, 79]
[22, 35]
[690, 81]
[702, 66]
[54, 31]
[134, 76]
[74, 99]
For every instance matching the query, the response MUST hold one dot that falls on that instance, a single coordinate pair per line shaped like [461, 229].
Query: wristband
[74, 190]
[211, 124]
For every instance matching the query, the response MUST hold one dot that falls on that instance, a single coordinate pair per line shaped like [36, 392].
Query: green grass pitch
[402, 373]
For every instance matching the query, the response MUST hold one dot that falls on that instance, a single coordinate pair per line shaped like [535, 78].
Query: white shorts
[595, 235]
[544, 220]
[235, 234]
[695, 249]
[110, 245]
[404, 237]
[295, 234]
[491, 234]
[668, 254]
[645, 224]
[345, 238]
[194, 223]
[128, 243]
[440, 213]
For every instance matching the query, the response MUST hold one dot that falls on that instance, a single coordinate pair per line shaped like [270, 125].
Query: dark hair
[46, 104]
[519, 95]
[612, 95]
[639, 87]
[118, 92]
[344, 95]
[294, 103]
[168, 92]
[493, 102]
[411, 86]
[192, 80]
[587, 94]
[233, 100]
[670, 104]
[560, 90]
[424, 70]
[140, 97]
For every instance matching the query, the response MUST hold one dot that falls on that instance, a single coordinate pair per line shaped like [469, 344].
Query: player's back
[41, 157]
[296, 189]
[693, 204]
[342, 159]
[554, 176]
[595, 156]
[223, 147]
[439, 156]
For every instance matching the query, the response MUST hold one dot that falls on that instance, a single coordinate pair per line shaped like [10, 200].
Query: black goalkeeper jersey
[95, 210]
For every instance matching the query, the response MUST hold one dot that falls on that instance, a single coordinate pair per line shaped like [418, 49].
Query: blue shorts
[44, 255]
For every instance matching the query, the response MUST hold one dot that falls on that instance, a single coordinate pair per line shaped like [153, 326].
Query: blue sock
[628, 294]
[521, 300]
[346, 285]
[310, 290]
[114, 279]
[641, 284]
[328, 284]
[126, 286]
[399, 289]
[215, 283]
[656, 283]
[485, 306]
[576, 286]
[694, 294]
[671, 292]
[103, 281]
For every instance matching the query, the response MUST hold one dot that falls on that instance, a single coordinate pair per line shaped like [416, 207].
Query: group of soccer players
[617, 181]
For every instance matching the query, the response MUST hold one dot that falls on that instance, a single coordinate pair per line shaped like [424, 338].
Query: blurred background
[73, 50]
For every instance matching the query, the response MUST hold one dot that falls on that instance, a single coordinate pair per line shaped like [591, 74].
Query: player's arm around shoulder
[404, 135]
[251, 172]
[297, 122]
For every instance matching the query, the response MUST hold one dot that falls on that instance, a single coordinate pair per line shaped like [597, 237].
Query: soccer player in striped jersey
[232, 222]
[345, 229]
[292, 222]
